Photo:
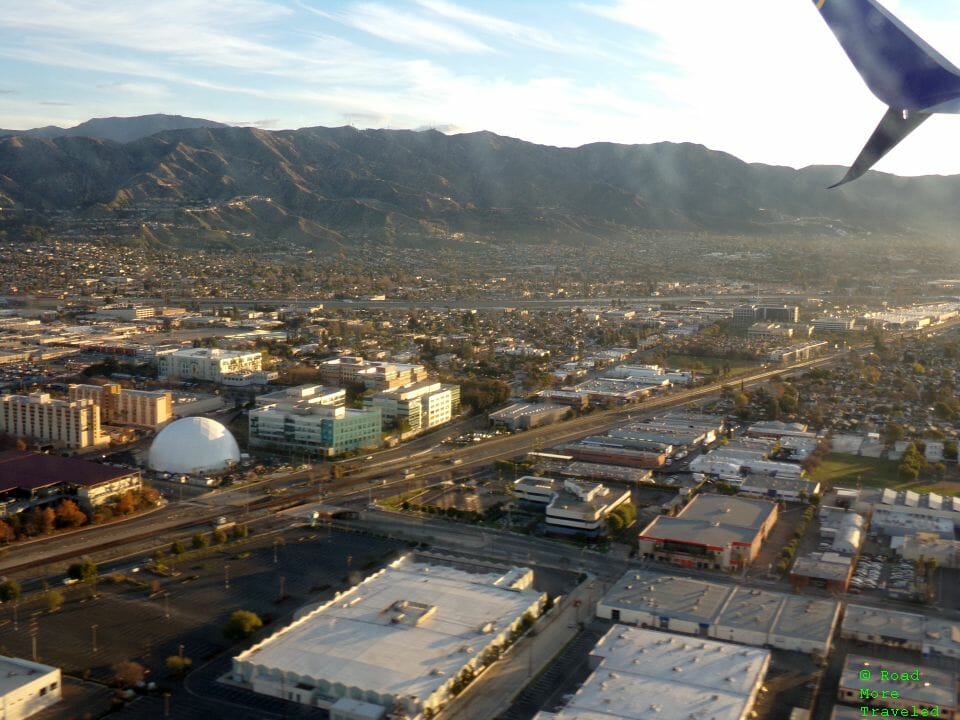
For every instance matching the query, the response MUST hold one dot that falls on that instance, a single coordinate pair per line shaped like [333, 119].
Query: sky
[764, 80]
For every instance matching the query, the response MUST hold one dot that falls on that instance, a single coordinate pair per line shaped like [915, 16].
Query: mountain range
[339, 185]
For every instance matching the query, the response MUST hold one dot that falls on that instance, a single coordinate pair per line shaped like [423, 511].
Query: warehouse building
[524, 415]
[611, 455]
[883, 627]
[26, 688]
[829, 570]
[924, 689]
[34, 479]
[723, 612]
[928, 546]
[712, 531]
[398, 641]
[641, 674]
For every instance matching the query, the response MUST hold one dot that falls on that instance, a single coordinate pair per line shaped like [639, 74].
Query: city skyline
[631, 71]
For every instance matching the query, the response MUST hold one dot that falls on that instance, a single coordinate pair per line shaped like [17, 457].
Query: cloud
[505, 29]
[265, 124]
[151, 90]
[7, 91]
[405, 28]
[55, 103]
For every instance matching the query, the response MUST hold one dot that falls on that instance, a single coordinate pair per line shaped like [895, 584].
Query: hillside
[335, 184]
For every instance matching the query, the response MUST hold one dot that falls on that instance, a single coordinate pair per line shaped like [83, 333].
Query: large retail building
[406, 638]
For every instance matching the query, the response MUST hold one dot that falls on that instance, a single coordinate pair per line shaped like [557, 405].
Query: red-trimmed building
[713, 531]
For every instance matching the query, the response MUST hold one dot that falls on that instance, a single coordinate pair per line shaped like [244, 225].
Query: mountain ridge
[335, 185]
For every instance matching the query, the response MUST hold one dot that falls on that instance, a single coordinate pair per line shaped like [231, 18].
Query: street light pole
[93, 632]
[226, 576]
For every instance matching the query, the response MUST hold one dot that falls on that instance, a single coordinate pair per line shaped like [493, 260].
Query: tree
[177, 548]
[891, 433]
[41, 521]
[199, 541]
[219, 536]
[128, 673]
[127, 503]
[241, 625]
[9, 590]
[69, 515]
[178, 664]
[53, 600]
[85, 570]
[7, 533]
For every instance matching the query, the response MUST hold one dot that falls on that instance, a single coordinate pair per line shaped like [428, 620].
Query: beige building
[120, 406]
[26, 688]
[419, 406]
[72, 425]
[374, 375]
[209, 364]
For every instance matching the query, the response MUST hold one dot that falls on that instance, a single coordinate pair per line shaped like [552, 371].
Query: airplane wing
[898, 66]
[894, 127]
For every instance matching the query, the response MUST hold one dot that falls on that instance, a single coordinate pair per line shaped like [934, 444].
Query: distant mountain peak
[119, 129]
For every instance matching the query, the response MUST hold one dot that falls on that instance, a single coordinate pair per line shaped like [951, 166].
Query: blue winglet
[897, 65]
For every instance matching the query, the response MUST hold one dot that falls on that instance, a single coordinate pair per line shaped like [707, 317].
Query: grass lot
[944, 487]
[687, 362]
[846, 470]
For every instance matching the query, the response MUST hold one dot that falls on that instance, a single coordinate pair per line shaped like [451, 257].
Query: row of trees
[67, 514]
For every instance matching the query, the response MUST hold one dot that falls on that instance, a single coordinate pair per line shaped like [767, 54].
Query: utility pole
[34, 629]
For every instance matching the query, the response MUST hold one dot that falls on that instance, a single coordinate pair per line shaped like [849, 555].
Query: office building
[306, 394]
[746, 315]
[121, 406]
[397, 642]
[571, 506]
[26, 688]
[642, 674]
[373, 375]
[712, 531]
[416, 407]
[67, 425]
[315, 429]
[834, 324]
[207, 364]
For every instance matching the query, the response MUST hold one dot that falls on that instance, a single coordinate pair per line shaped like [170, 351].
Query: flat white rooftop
[725, 606]
[880, 622]
[15, 672]
[647, 674]
[404, 631]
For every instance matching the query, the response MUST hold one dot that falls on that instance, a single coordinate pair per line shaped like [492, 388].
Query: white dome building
[192, 446]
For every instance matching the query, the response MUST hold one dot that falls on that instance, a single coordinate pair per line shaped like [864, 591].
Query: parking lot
[154, 617]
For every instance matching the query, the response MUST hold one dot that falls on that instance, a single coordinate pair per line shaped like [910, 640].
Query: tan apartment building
[73, 424]
[121, 406]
